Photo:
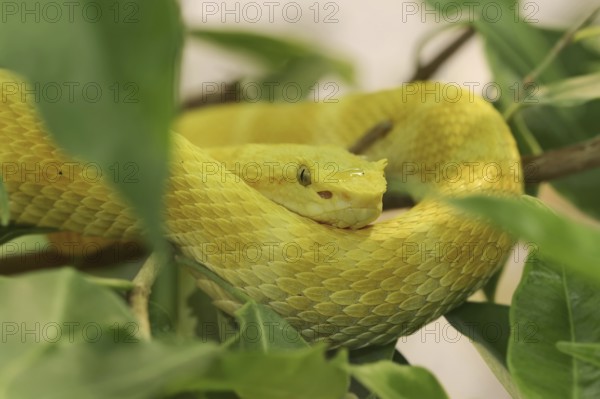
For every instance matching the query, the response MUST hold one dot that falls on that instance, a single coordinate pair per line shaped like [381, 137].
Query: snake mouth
[350, 217]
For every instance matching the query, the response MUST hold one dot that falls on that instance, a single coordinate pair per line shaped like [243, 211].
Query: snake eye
[303, 175]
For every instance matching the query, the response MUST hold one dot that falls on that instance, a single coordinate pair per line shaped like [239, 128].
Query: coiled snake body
[345, 287]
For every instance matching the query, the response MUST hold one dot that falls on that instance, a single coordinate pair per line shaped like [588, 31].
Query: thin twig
[138, 299]
[230, 92]
[112, 283]
[426, 71]
[377, 132]
[558, 47]
[530, 79]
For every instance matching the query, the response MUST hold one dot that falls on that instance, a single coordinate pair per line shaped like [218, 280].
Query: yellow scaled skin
[345, 287]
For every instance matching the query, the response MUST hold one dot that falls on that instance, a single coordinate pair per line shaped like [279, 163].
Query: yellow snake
[343, 286]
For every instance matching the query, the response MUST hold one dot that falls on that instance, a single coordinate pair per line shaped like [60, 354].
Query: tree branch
[565, 161]
[228, 94]
[52, 256]
[548, 166]
[427, 70]
[374, 134]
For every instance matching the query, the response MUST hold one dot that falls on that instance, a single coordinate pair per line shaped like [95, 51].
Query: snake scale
[346, 287]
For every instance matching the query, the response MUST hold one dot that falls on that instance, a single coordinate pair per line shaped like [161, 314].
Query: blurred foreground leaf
[63, 332]
[573, 244]
[104, 85]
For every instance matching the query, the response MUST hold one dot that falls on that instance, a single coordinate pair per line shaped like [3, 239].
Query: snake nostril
[325, 194]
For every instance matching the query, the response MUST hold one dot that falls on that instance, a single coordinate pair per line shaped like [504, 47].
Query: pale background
[380, 39]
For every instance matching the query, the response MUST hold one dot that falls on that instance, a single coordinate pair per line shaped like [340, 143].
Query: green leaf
[371, 354]
[586, 352]
[375, 353]
[298, 374]
[273, 52]
[96, 337]
[297, 80]
[392, 381]
[45, 299]
[293, 69]
[129, 371]
[104, 83]
[260, 328]
[570, 92]
[587, 33]
[552, 305]
[568, 242]
[60, 332]
[487, 326]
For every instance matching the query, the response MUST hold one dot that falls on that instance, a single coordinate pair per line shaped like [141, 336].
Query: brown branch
[51, 257]
[548, 166]
[377, 132]
[562, 162]
[427, 70]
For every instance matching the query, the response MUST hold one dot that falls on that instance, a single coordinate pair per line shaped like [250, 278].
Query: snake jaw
[352, 218]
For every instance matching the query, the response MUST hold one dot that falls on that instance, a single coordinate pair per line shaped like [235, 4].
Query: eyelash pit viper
[346, 287]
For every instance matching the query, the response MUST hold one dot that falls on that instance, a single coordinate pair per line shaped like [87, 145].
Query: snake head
[324, 183]
[348, 192]
[344, 190]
